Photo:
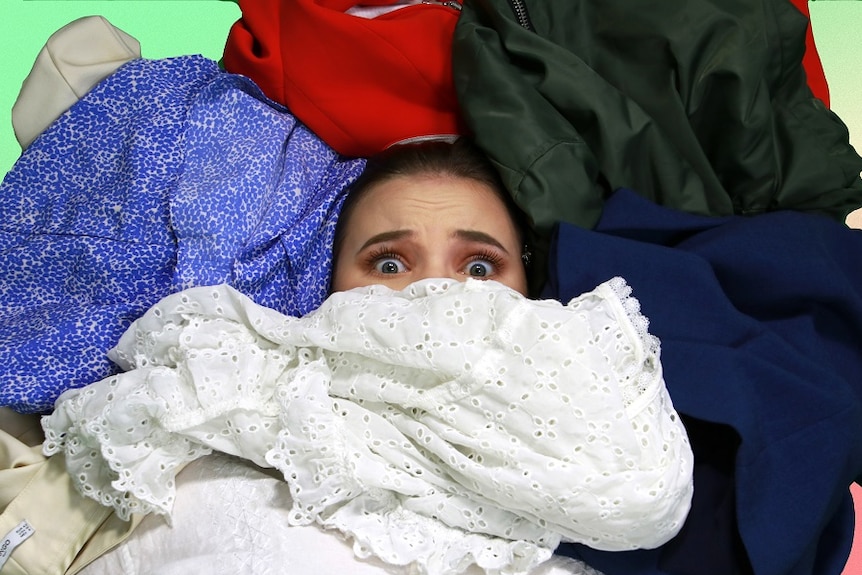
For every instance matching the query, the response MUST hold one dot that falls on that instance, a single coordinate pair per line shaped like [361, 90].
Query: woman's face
[405, 229]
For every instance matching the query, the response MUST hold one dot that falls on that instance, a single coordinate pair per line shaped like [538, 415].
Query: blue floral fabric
[168, 174]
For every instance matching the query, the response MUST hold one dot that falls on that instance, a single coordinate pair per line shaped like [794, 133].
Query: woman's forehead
[431, 192]
[441, 205]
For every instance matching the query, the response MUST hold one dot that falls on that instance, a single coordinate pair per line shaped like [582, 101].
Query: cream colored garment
[444, 425]
[75, 58]
[69, 530]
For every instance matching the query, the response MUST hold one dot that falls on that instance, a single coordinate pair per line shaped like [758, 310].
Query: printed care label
[13, 539]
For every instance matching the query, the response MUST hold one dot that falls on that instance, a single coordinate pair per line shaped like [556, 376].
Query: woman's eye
[480, 269]
[389, 266]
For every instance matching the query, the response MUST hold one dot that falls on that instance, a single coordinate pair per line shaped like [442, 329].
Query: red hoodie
[360, 84]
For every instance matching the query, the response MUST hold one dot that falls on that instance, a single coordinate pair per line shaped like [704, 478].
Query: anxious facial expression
[405, 229]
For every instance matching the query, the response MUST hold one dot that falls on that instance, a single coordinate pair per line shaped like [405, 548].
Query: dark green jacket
[700, 105]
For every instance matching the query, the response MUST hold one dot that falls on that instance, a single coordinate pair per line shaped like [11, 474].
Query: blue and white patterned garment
[168, 174]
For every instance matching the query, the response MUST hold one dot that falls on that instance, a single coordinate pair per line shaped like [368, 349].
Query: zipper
[447, 3]
[519, 7]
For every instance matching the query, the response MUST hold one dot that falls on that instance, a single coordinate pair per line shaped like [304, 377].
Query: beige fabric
[854, 220]
[76, 57]
[23, 427]
[70, 530]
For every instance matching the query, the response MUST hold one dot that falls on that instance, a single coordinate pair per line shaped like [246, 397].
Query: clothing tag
[13, 539]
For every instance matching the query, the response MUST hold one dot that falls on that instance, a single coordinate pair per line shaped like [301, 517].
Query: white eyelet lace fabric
[446, 425]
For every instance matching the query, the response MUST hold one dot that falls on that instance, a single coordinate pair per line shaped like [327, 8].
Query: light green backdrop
[164, 28]
[837, 26]
[176, 27]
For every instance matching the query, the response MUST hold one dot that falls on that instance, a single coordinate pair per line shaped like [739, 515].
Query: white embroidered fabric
[230, 518]
[445, 425]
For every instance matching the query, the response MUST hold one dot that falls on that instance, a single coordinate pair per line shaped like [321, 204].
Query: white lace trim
[644, 372]
[494, 425]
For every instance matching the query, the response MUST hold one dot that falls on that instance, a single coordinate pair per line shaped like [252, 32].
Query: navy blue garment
[760, 322]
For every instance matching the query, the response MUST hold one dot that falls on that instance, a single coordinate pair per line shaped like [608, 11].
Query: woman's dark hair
[460, 159]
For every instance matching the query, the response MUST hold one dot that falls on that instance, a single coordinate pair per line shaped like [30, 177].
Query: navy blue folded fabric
[760, 322]
[168, 174]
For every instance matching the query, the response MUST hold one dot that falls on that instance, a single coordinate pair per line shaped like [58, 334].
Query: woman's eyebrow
[386, 237]
[479, 237]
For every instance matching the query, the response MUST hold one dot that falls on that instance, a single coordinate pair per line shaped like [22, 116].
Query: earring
[525, 255]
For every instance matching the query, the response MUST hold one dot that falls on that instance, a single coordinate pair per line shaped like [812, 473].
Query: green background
[176, 27]
[164, 28]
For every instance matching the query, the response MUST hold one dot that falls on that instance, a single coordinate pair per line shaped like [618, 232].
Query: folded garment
[168, 174]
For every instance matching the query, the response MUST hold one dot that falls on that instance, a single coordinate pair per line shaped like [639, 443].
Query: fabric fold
[373, 412]
[167, 174]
